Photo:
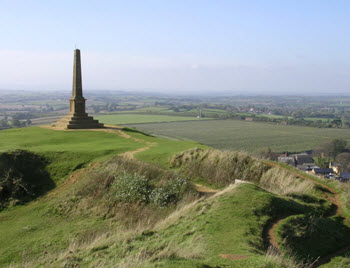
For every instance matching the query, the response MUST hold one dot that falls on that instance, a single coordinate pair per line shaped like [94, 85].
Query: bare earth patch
[204, 189]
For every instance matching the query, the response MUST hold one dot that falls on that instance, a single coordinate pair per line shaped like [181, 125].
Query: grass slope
[38, 139]
[66, 151]
[65, 229]
[246, 136]
[194, 236]
[161, 150]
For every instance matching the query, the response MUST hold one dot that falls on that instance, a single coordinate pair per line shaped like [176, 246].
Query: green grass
[226, 225]
[120, 119]
[229, 224]
[38, 139]
[66, 151]
[29, 231]
[312, 236]
[66, 230]
[162, 150]
[247, 136]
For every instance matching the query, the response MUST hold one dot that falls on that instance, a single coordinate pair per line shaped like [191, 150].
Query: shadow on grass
[126, 129]
[23, 177]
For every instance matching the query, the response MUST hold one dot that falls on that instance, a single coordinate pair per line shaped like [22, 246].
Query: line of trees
[14, 123]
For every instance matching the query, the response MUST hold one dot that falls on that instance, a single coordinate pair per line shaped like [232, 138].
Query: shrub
[131, 187]
[170, 193]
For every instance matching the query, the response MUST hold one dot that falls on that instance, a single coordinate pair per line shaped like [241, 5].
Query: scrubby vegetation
[126, 189]
[221, 168]
[23, 177]
[218, 168]
[344, 190]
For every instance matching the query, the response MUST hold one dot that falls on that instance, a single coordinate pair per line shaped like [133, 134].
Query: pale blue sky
[178, 46]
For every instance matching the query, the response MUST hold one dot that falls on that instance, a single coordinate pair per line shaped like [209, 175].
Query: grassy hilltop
[122, 198]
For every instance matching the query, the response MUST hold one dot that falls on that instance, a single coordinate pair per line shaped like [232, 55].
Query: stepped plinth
[77, 117]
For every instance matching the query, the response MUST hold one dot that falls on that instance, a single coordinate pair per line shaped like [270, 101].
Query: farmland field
[246, 136]
[119, 119]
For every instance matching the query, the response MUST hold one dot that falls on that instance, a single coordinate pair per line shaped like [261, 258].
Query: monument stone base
[78, 121]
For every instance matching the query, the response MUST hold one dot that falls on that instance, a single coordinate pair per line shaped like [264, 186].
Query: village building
[335, 166]
[303, 158]
[345, 175]
[322, 171]
[289, 160]
[307, 167]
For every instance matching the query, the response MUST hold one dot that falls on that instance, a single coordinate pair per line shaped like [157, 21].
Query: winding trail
[118, 130]
[73, 178]
[330, 195]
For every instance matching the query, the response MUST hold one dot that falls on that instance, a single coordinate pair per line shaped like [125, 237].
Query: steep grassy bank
[296, 234]
[221, 168]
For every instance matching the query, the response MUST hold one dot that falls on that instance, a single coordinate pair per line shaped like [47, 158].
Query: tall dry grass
[281, 181]
[219, 168]
[222, 168]
[275, 259]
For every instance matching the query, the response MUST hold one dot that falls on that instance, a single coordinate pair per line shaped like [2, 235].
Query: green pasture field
[247, 136]
[165, 110]
[120, 119]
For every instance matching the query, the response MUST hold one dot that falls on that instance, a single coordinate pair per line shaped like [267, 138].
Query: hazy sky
[177, 46]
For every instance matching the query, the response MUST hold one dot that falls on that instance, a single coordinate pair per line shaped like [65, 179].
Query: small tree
[15, 123]
[322, 162]
[344, 160]
[339, 146]
[331, 149]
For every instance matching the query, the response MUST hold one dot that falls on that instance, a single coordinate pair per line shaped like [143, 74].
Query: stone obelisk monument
[77, 117]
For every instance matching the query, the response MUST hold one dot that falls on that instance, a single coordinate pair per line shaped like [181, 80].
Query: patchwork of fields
[246, 136]
[120, 119]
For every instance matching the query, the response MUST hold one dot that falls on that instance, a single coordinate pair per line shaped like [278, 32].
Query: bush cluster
[171, 192]
[133, 187]
[23, 177]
